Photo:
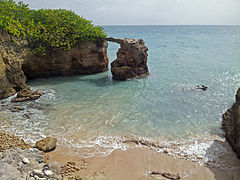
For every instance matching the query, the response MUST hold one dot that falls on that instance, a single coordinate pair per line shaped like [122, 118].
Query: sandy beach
[139, 163]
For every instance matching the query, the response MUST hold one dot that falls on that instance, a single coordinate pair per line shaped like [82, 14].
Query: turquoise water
[165, 104]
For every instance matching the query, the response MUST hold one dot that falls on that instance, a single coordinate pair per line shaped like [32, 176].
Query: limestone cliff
[12, 78]
[87, 58]
[231, 124]
[18, 64]
[131, 59]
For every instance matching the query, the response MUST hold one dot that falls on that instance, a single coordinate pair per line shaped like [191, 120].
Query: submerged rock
[47, 144]
[131, 59]
[231, 125]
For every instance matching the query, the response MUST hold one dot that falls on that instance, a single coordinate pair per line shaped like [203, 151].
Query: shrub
[47, 29]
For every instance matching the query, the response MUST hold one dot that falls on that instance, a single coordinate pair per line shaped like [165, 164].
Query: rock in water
[131, 59]
[27, 95]
[231, 125]
[47, 144]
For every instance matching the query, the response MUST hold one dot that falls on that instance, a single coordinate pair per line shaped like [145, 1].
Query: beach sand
[138, 163]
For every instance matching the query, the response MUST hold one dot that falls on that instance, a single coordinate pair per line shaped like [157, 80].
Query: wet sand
[138, 163]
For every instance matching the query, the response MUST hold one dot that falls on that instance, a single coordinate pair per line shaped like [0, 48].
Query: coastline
[103, 157]
[98, 155]
[140, 159]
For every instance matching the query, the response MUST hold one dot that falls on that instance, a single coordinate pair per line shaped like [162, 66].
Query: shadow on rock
[222, 161]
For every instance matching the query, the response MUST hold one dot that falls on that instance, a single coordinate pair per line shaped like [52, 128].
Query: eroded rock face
[83, 58]
[231, 124]
[18, 64]
[12, 78]
[131, 59]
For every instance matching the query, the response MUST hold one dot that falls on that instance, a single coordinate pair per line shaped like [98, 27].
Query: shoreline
[138, 163]
[140, 158]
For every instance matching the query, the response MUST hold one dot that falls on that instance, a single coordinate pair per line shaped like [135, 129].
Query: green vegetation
[47, 29]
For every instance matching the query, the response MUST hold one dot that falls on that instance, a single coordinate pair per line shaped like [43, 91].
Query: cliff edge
[82, 58]
[231, 125]
[12, 78]
[17, 63]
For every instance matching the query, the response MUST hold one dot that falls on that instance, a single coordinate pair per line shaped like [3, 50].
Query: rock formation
[131, 59]
[12, 78]
[26, 95]
[87, 58]
[17, 64]
[231, 124]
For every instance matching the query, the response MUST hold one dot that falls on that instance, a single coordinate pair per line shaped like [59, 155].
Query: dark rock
[231, 125]
[47, 144]
[131, 59]
[203, 87]
[16, 109]
[27, 95]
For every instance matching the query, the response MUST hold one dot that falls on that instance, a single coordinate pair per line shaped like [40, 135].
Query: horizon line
[168, 24]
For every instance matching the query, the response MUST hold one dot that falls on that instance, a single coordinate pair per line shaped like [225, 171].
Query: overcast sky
[149, 12]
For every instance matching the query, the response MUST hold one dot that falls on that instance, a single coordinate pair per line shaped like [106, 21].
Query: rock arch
[17, 64]
[131, 59]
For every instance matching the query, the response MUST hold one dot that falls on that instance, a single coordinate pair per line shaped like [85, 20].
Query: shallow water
[163, 105]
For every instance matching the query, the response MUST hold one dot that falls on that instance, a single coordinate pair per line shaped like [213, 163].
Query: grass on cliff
[47, 29]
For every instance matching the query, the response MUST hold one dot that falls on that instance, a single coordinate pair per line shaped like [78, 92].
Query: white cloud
[149, 11]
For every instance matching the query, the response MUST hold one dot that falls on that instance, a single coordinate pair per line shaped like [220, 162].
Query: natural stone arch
[131, 59]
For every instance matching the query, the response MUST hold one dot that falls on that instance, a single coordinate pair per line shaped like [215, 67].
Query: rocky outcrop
[131, 59]
[83, 58]
[8, 141]
[12, 78]
[17, 64]
[17, 164]
[231, 124]
[27, 95]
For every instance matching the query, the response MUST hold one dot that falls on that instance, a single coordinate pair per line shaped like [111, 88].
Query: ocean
[86, 109]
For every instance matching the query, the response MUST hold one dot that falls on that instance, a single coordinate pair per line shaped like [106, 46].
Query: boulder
[48, 144]
[231, 125]
[131, 59]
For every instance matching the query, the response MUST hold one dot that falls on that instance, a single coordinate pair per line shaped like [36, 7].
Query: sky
[149, 12]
